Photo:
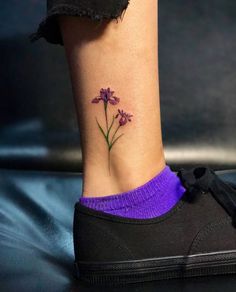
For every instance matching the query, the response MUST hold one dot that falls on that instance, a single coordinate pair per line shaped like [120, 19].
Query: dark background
[197, 59]
[38, 131]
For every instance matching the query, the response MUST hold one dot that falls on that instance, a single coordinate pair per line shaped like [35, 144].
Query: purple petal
[96, 100]
[117, 99]
[113, 101]
[122, 121]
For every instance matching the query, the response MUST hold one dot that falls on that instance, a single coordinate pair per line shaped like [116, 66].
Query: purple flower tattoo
[107, 96]
[124, 117]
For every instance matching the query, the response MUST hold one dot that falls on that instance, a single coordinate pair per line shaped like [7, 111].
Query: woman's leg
[122, 56]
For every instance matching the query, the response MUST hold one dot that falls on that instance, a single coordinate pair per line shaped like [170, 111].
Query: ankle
[96, 184]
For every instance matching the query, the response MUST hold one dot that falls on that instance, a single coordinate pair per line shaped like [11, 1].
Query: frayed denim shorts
[97, 10]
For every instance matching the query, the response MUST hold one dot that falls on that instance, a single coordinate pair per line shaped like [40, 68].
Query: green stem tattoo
[105, 109]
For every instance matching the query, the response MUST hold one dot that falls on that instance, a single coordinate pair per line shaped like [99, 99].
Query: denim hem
[49, 28]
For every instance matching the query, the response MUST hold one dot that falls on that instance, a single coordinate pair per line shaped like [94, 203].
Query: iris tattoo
[107, 97]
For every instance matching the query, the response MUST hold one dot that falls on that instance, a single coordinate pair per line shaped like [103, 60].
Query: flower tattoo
[107, 97]
[124, 117]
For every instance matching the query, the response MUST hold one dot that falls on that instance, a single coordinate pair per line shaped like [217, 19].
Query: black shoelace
[201, 180]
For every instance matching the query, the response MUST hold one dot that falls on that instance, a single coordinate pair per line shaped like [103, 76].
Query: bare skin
[122, 56]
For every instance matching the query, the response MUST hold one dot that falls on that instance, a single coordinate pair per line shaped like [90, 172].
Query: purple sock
[154, 198]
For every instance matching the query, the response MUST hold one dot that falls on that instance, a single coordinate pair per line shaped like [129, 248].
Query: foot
[196, 237]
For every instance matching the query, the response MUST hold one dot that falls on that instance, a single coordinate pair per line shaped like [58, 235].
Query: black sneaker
[196, 238]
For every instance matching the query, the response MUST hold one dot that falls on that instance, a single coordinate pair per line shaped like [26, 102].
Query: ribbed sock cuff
[157, 185]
